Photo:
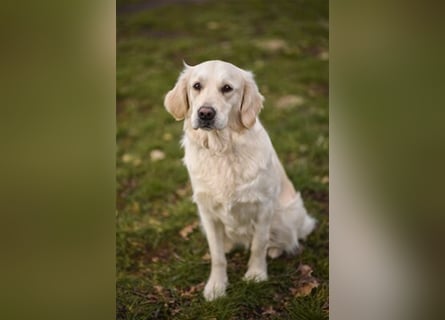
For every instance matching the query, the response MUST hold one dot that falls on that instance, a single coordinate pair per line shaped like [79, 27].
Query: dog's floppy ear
[176, 101]
[252, 101]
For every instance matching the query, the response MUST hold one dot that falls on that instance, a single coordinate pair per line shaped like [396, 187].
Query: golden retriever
[239, 186]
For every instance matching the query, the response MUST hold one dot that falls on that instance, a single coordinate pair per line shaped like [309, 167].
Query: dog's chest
[229, 177]
[233, 185]
[239, 221]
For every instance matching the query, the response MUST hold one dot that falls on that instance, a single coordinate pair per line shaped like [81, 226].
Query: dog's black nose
[206, 113]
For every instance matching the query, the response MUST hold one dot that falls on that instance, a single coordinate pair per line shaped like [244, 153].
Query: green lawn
[162, 261]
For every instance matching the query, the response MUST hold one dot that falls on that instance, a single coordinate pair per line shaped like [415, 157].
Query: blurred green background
[161, 253]
[58, 157]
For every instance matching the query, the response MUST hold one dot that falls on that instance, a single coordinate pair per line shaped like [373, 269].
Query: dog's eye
[197, 86]
[226, 88]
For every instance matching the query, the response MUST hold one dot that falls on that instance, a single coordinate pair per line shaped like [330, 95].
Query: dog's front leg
[214, 230]
[257, 267]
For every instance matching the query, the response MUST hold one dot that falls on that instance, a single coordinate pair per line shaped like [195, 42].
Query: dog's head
[214, 95]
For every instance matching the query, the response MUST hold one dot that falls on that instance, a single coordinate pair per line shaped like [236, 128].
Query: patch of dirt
[160, 254]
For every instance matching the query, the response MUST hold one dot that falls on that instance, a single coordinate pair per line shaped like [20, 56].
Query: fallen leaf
[272, 45]
[159, 289]
[289, 101]
[213, 25]
[156, 155]
[306, 287]
[126, 158]
[165, 213]
[324, 56]
[305, 270]
[131, 158]
[193, 290]
[187, 230]
[176, 310]
[154, 222]
[206, 257]
[182, 192]
[269, 310]
[325, 180]
[167, 136]
[305, 283]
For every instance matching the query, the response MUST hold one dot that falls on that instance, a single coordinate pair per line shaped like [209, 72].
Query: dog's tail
[292, 222]
[308, 223]
[306, 227]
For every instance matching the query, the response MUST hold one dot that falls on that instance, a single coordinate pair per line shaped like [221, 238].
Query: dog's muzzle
[206, 117]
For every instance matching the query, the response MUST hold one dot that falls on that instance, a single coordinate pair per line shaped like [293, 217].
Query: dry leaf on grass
[268, 310]
[182, 192]
[187, 230]
[193, 290]
[289, 101]
[305, 283]
[165, 213]
[213, 25]
[126, 158]
[272, 45]
[206, 257]
[131, 158]
[156, 155]
[159, 289]
[167, 136]
[323, 55]
[306, 287]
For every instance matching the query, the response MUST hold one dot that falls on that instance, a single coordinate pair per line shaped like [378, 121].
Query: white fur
[239, 185]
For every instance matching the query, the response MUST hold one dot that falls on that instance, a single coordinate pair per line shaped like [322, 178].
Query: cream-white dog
[240, 187]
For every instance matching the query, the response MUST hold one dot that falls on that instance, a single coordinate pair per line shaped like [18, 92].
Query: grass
[161, 273]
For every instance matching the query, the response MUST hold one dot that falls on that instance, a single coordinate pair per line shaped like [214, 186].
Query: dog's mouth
[206, 128]
[206, 125]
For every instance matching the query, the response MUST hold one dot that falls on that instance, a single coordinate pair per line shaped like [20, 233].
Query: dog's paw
[255, 275]
[215, 289]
